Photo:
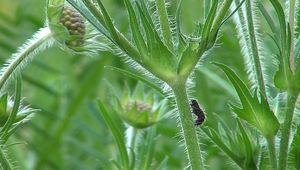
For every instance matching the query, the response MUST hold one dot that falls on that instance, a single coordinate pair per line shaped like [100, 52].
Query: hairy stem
[188, 128]
[272, 153]
[27, 51]
[292, 25]
[254, 49]
[221, 14]
[286, 130]
[5, 165]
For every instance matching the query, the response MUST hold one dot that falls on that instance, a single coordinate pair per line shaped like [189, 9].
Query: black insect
[198, 112]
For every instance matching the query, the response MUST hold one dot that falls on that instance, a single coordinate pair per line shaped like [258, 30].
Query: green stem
[272, 153]
[134, 132]
[220, 16]
[188, 127]
[164, 22]
[292, 25]
[4, 161]
[17, 60]
[286, 130]
[254, 49]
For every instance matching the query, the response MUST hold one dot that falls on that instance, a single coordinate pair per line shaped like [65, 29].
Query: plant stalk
[221, 15]
[254, 49]
[292, 25]
[27, 51]
[272, 153]
[188, 127]
[286, 130]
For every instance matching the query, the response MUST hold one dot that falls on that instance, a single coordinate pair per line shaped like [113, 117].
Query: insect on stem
[198, 112]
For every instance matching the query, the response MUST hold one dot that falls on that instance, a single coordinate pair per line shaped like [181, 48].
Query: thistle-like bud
[75, 25]
[69, 28]
[139, 110]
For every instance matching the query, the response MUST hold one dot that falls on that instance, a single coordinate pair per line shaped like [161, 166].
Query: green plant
[159, 47]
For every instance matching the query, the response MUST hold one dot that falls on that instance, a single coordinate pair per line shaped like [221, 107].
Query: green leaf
[208, 24]
[132, 163]
[60, 33]
[148, 149]
[116, 164]
[249, 151]
[280, 13]
[137, 35]
[54, 12]
[188, 61]
[117, 135]
[161, 60]
[280, 80]
[163, 164]
[150, 30]
[164, 23]
[213, 135]
[108, 23]
[181, 44]
[193, 52]
[295, 150]
[256, 112]
[275, 31]
[79, 6]
[137, 77]
[3, 105]
[14, 112]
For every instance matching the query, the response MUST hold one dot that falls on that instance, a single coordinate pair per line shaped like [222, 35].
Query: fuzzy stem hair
[286, 130]
[40, 41]
[188, 128]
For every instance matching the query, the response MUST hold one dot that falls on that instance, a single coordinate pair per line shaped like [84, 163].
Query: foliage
[96, 111]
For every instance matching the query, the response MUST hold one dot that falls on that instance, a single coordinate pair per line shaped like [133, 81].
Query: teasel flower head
[139, 109]
[70, 29]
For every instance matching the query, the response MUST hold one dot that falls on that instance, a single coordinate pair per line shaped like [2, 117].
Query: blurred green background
[66, 87]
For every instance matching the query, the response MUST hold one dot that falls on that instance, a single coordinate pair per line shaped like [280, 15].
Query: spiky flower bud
[70, 30]
[141, 106]
[139, 110]
[74, 23]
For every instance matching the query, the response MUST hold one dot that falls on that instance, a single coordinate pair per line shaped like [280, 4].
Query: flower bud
[139, 110]
[74, 23]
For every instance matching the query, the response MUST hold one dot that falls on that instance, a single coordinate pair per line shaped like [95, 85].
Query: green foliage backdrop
[66, 87]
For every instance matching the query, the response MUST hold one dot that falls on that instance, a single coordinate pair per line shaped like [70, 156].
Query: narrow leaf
[14, 112]
[117, 135]
[137, 77]
[163, 164]
[213, 135]
[280, 13]
[108, 23]
[181, 44]
[275, 31]
[249, 151]
[137, 35]
[164, 22]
